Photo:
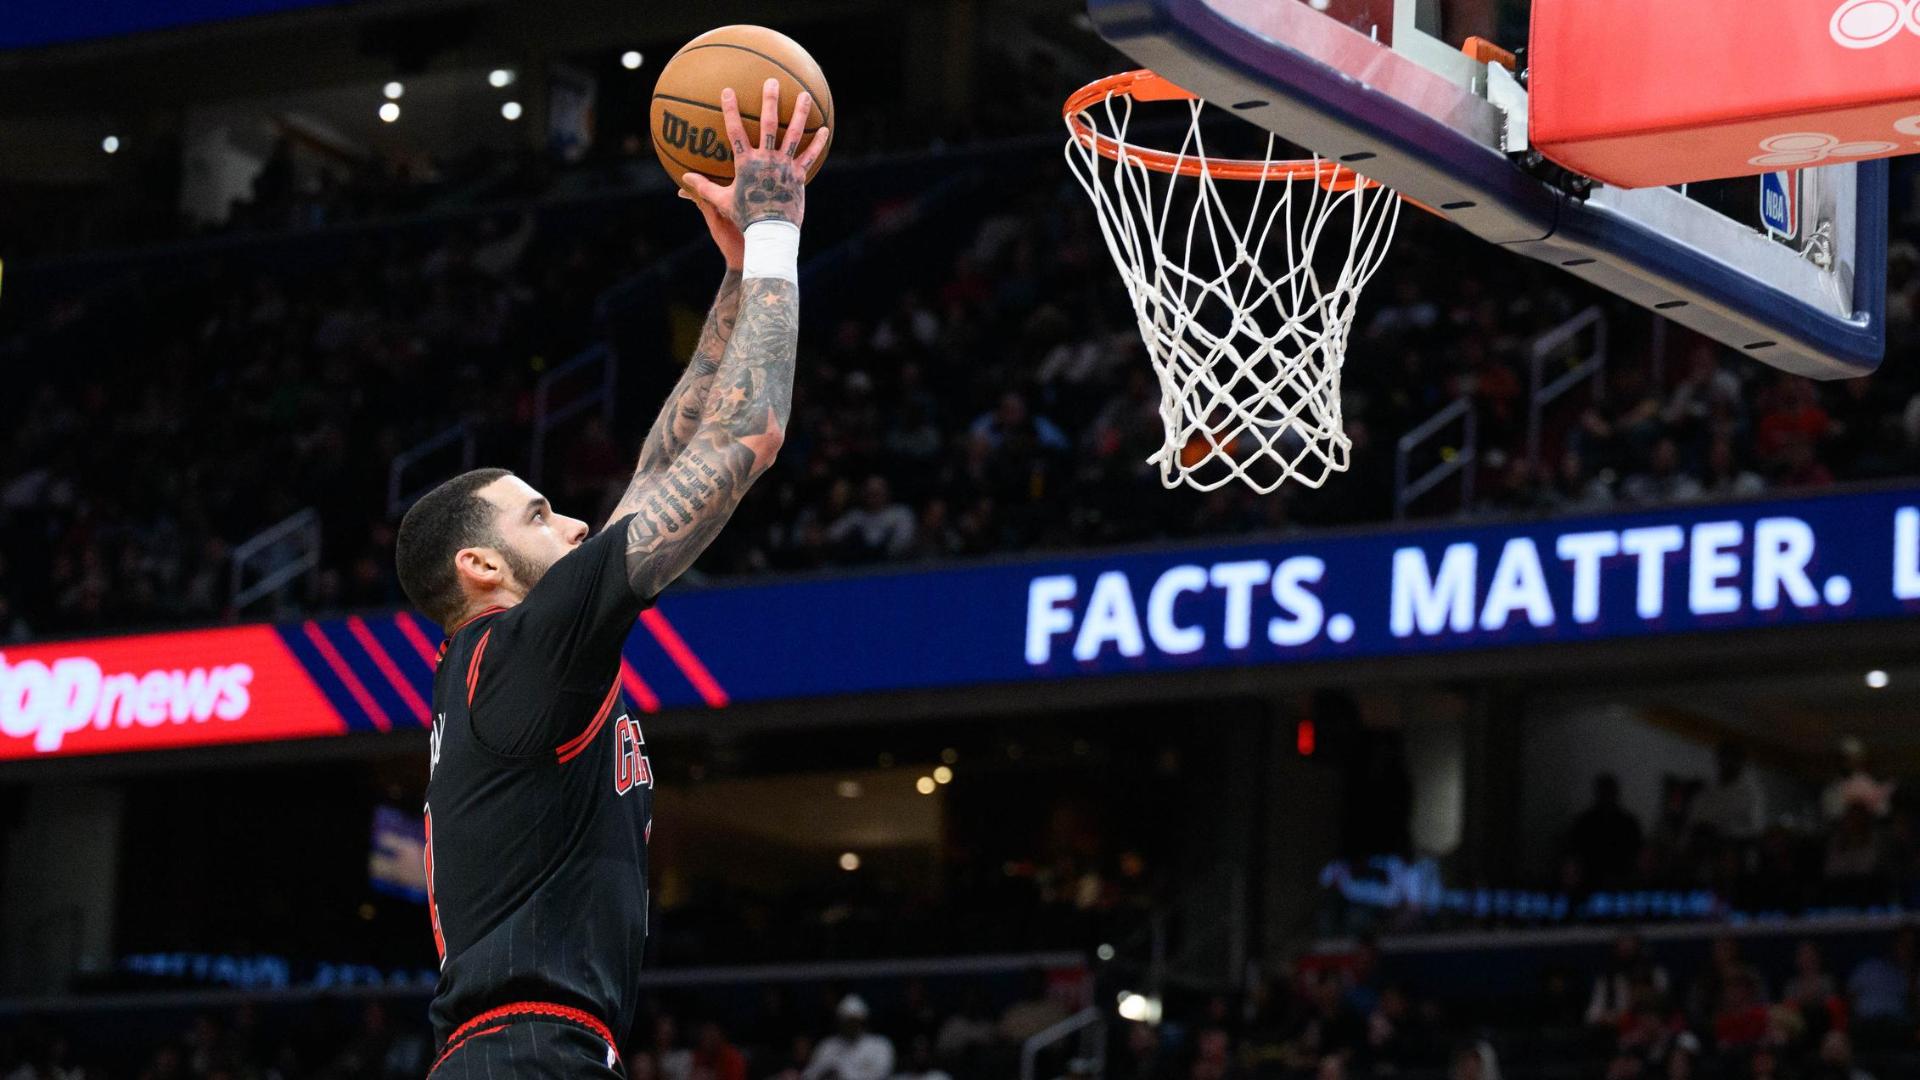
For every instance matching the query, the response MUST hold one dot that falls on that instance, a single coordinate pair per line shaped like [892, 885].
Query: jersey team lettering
[631, 768]
[46, 702]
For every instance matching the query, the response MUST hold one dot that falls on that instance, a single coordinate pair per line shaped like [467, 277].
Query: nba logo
[1780, 203]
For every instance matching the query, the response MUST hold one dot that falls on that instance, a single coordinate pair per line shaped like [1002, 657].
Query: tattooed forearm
[675, 522]
[680, 416]
[678, 511]
[744, 418]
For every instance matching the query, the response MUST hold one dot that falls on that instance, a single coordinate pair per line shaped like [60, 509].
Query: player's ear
[480, 567]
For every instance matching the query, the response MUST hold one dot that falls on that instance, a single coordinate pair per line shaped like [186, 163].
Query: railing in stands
[1461, 459]
[835, 973]
[1086, 1024]
[547, 415]
[277, 556]
[1564, 342]
[400, 494]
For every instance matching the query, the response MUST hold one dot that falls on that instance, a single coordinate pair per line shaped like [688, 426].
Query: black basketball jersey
[540, 801]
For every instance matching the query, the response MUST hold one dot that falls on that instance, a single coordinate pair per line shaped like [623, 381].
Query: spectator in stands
[967, 1030]
[1620, 431]
[1708, 396]
[1662, 481]
[799, 1056]
[1363, 976]
[714, 1058]
[1800, 466]
[1012, 419]
[879, 528]
[852, 1052]
[1629, 964]
[1812, 989]
[1626, 1065]
[1671, 857]
[1733, 806]
[1036, 1011]
[919, 1065]
[1836, 1059]
[917, 1016]
[1742, 1018]
[1213, 1057]
[1790, 416]
[1882, 989]
[671, 1060]
[1561, 1005]
[1398, 1037]
[1855, 785]
[1577, 487]
[1475, 1061]
[1145, 1056]
[1683, 1062]
[1763, 1063]
[1724, 476]
[1330, 1027]
[1605, 839]
[1855, 860]
[1714, 988]
[1650, 1024]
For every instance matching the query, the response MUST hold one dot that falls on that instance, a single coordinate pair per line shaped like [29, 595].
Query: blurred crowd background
[971, 384]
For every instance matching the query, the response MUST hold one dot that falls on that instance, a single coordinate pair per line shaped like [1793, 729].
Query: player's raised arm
[677, 510]
[680, 415]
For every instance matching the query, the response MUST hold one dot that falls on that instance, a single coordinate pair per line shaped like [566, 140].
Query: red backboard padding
[1639, 93]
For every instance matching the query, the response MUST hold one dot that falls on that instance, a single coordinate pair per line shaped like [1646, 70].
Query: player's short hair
[435, 528]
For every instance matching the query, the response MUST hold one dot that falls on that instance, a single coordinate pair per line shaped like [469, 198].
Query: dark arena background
[1596, 761]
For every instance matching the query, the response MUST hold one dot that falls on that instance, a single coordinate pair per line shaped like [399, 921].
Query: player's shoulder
[466, 640]
[473, 627]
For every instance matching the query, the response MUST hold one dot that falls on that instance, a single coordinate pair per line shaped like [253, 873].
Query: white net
[1245, 300]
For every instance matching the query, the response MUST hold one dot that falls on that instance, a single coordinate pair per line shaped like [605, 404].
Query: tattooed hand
[769, 182]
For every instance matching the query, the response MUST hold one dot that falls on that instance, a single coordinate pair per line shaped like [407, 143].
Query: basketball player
[540, 793]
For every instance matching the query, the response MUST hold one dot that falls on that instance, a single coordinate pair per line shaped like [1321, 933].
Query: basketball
[689, 133]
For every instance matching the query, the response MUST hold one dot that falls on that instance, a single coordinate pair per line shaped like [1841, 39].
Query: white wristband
[773, 251]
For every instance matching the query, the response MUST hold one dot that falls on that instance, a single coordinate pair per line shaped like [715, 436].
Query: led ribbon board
[1800, 562]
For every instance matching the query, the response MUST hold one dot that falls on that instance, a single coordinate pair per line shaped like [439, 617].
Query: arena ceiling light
[631, 59]
[510, 110]
[849, 861]
[925, 785]
[500, 77]
[1139, 1008]
[394, 89]
[110, 144]
[1877, 679]
[389, 112]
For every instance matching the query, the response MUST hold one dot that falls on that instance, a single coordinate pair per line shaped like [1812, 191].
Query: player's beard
[526, 571]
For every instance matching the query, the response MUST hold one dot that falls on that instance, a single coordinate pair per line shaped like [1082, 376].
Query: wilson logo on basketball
[682, 134]
[1867, 24]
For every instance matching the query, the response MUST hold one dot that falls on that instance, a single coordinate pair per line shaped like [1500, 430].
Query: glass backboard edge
[1363, 103]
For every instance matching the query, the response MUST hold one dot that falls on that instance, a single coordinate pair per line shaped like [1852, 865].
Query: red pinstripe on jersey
[473, 665]
[433, 909]
[570, 749]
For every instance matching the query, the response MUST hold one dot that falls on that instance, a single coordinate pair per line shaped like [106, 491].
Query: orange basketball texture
[689, 133]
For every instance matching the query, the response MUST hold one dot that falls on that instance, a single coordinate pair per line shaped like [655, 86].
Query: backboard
[1370, 84]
